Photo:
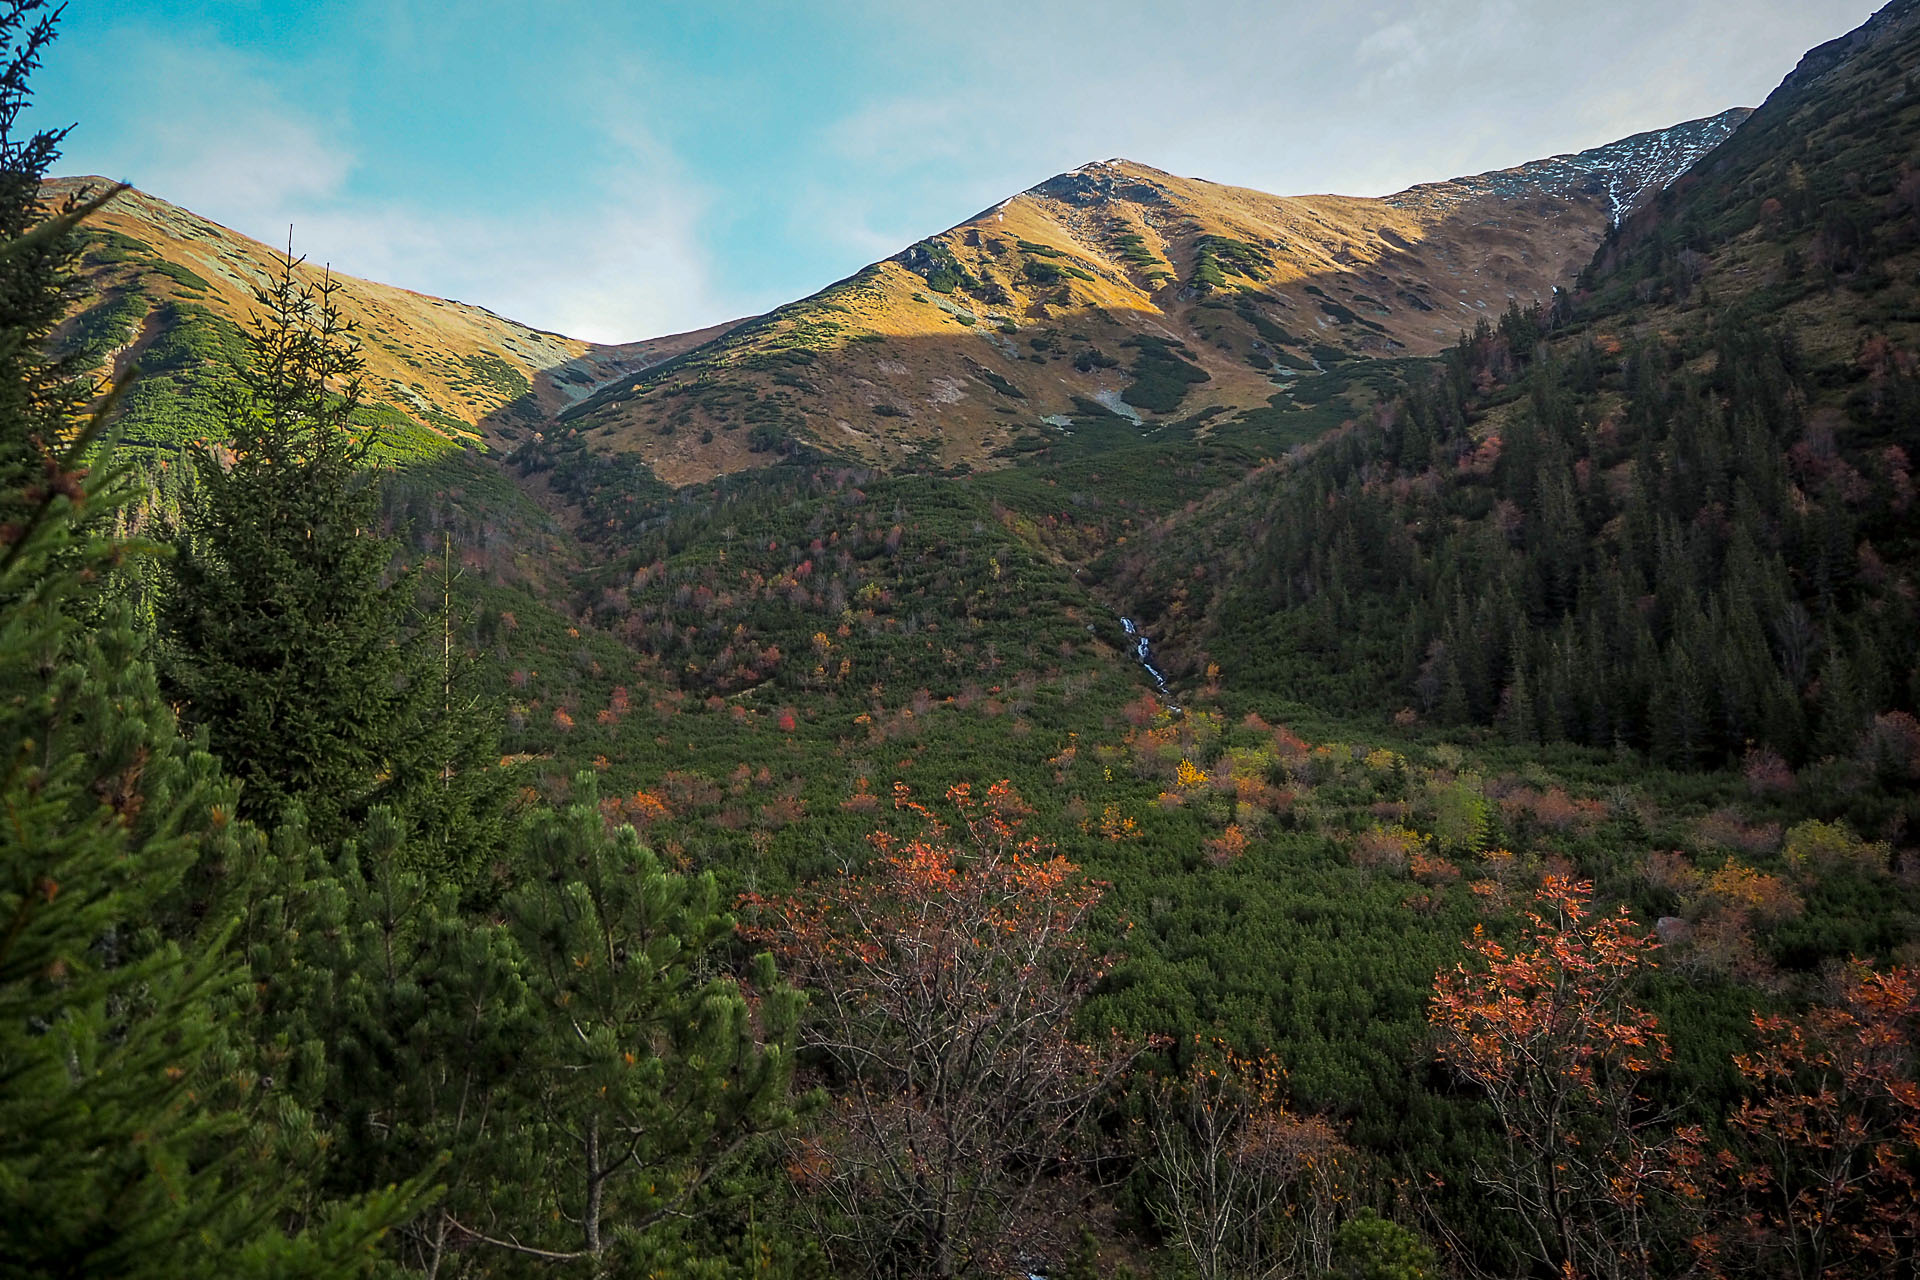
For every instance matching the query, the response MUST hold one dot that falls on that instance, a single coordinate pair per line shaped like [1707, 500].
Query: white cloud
[1314, 95]
[216, 134]
[1393, 51]
[622, 261]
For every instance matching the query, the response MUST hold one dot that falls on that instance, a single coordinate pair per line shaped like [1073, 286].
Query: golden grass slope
[457, 369]
[1036, 308]
[1044, 307]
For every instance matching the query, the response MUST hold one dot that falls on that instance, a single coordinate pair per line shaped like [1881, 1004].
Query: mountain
[1809, 209]
[166, 290]
[1628, 174]
[1113, 289]
[1553, 630]
[1621, 591]
[1119, 288]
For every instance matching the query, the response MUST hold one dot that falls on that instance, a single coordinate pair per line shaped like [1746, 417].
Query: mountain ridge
[1565, 527]
[931, 353]
[456, 370]
[1114, 288]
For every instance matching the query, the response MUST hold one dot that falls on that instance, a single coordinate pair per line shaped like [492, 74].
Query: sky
[619, 170]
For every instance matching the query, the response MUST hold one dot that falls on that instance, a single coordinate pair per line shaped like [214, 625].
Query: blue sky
[621, 170]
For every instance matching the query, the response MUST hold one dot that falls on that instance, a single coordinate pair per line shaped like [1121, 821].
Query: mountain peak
[1149, 296]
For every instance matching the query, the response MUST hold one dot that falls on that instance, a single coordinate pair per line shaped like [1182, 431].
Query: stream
[1143, 653]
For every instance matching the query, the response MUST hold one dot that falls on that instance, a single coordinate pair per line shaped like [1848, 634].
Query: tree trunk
[596, 1187]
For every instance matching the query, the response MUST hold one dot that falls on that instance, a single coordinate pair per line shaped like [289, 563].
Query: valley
[1153, 684]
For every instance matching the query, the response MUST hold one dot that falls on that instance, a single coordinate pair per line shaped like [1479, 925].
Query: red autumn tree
[1821, 1181]
[943, 984]
[1549, 1032]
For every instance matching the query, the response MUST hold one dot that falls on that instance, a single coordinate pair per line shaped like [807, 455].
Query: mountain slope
[1121, 286]
[1676, 516]
[1811, 211]
[166, 289]
[1113, 289]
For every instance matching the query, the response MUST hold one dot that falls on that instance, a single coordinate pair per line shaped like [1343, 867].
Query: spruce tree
[291, 639]
[39, 395]
[113, 1161]
[396, 1020]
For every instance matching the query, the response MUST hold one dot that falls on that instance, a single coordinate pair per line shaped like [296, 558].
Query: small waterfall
[1143, 653]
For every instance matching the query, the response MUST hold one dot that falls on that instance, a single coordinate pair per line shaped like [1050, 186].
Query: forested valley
[421, 860]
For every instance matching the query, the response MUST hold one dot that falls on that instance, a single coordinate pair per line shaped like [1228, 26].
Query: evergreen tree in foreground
[39, 395]
[572, 1067]
[656, 1074]
[291, 641]
[113, 1159]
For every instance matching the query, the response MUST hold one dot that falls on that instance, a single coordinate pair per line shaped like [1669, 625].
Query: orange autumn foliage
[1548, 1032]
[945, 978]
[861, 800]
[1227, 847]
[1230, 1158]
[1821, 1177]
[1112, 825]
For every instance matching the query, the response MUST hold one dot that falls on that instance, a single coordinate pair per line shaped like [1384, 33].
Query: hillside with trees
[1454, 816]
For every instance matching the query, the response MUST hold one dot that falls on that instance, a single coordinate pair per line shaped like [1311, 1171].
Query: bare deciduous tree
[1248, 1188]
[944, 983]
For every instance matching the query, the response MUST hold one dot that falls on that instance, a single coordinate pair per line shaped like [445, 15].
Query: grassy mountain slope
[1123, 288]
[753, 659]
[167, 290]
[1113, 289]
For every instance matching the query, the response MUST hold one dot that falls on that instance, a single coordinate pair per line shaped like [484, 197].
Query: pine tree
[1843, 712]
[111, 1160]
[40, 394]
[1516, 704]
[1370, 1247]
[651, 1075]
[290, 640]
[397, 1021]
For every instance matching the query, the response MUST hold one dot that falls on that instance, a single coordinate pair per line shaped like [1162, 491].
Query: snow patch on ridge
[1627, 173]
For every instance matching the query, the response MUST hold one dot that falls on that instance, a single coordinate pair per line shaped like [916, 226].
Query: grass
[103, 247]
[1041, 271]
[497, 376]
[1345, 315]
[184, 372]
[105, 327]
[395, 439]
[944, 274]
[1266, 328]
[1131, 249]
[179, 275]
[999, 383]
